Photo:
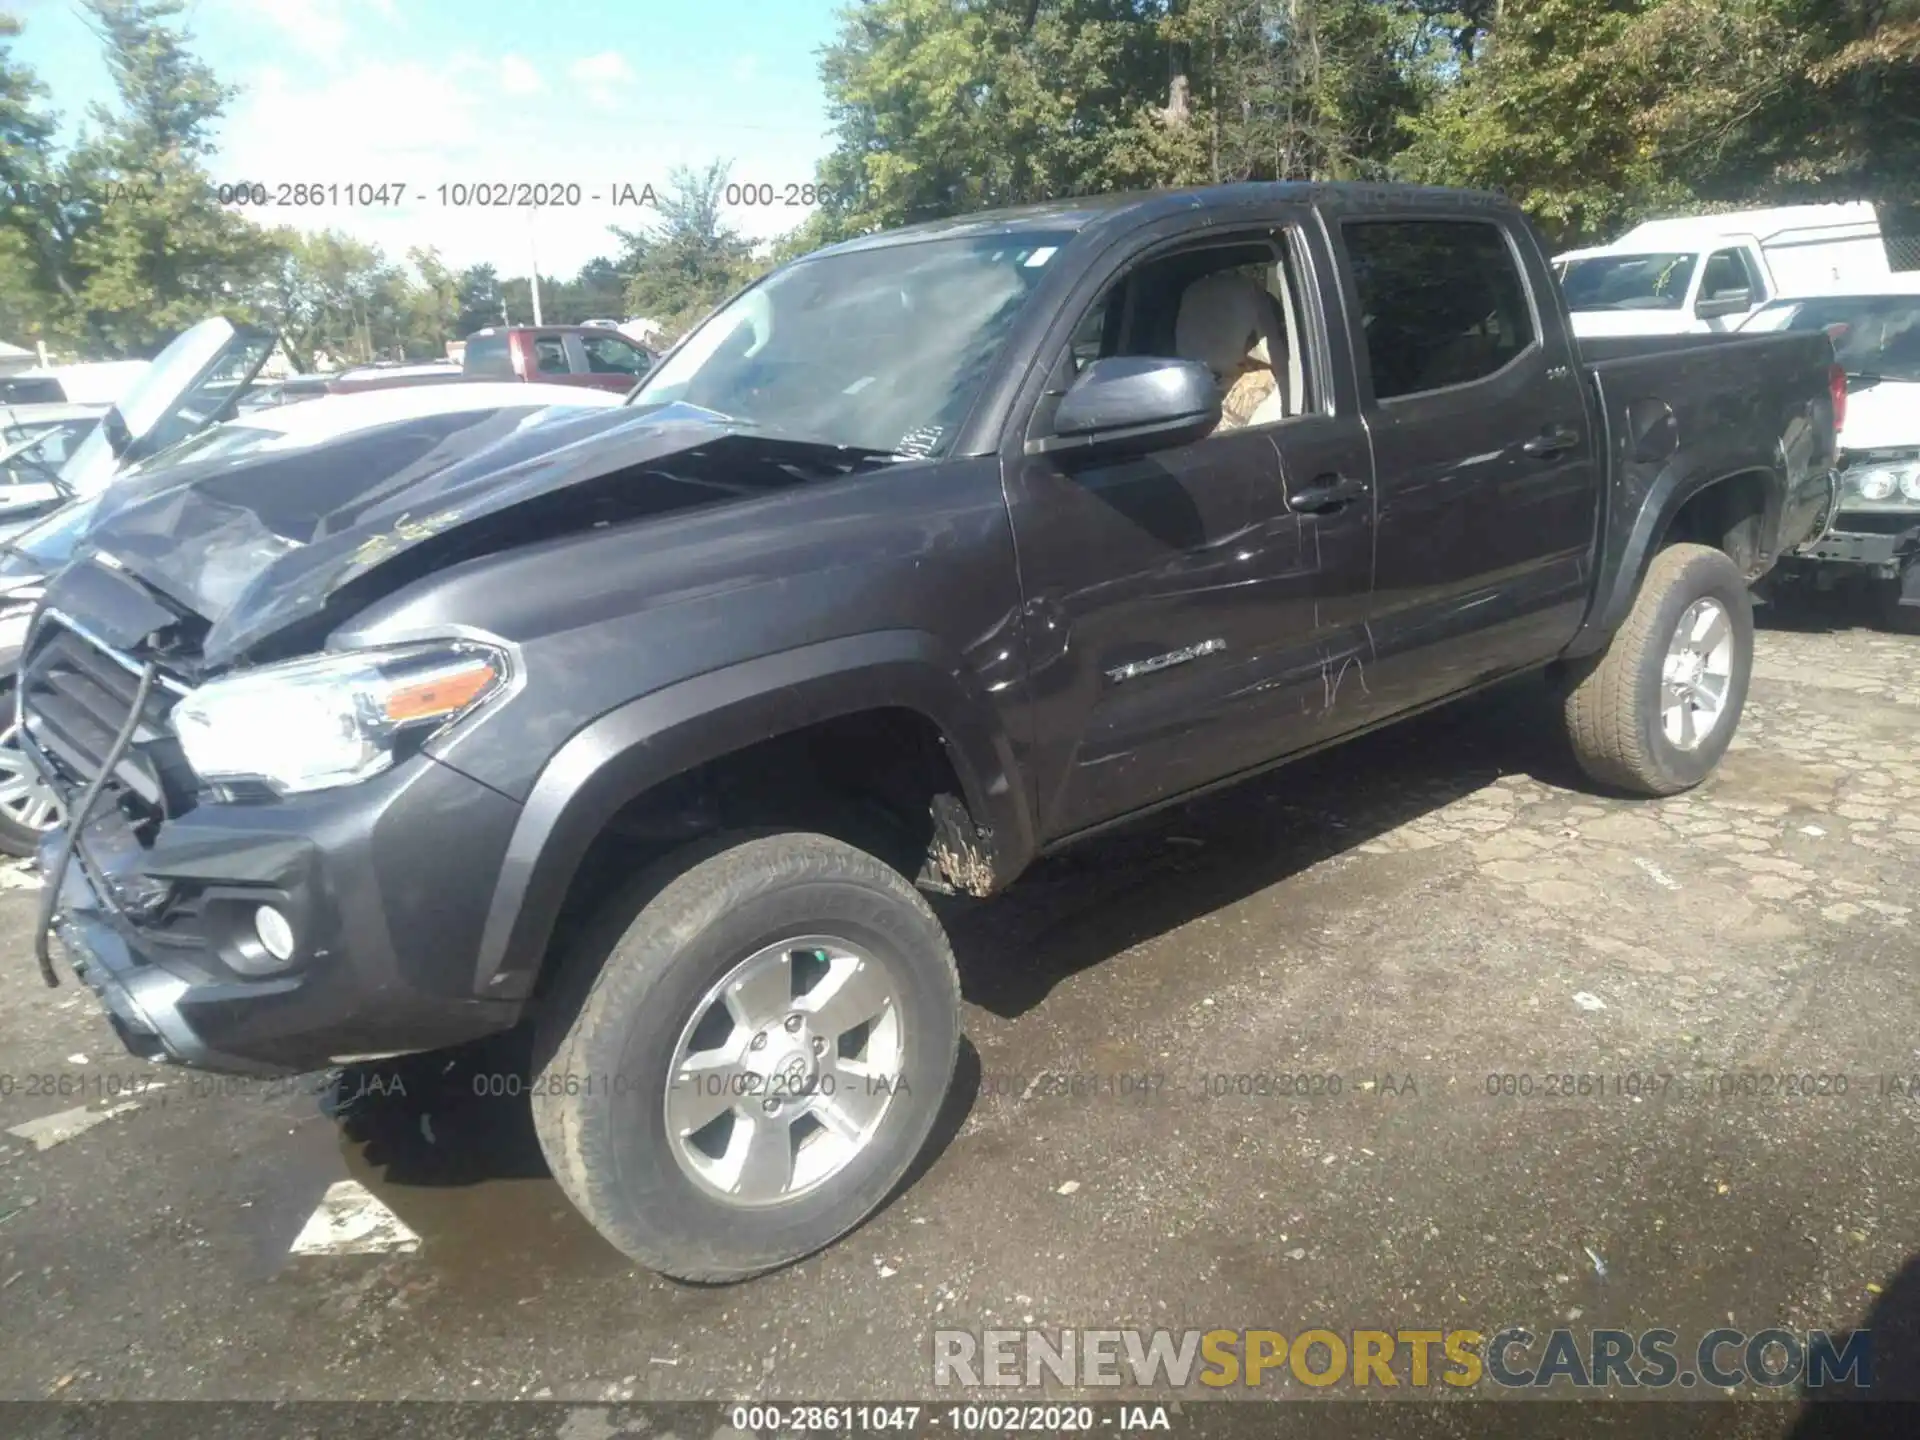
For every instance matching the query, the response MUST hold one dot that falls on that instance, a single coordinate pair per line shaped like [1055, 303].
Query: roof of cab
[1138, 207]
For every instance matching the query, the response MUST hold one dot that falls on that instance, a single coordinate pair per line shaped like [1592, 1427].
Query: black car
[924, 555]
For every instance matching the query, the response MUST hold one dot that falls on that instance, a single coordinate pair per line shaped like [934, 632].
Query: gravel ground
[1415, 919]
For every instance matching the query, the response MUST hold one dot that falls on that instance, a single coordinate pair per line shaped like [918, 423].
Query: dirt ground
[1439, 917]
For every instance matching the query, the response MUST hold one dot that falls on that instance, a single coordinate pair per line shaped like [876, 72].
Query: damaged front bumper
[375, 881]
[147, 1005]
[1866, 542]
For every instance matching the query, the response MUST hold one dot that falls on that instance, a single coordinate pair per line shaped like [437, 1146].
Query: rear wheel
[1655, 712]
[28, 805]
[745, 1056]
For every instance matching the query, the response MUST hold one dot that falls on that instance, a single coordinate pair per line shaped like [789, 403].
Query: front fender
[635, 747]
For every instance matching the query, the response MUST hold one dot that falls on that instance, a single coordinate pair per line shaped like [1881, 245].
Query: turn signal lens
[444, 694]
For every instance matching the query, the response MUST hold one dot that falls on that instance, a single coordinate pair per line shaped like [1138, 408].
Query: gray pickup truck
[644, 727]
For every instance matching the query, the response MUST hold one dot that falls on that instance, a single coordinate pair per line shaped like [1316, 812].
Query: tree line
[1590, 113]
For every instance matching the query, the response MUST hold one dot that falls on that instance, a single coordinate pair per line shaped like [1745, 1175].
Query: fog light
[276, 935]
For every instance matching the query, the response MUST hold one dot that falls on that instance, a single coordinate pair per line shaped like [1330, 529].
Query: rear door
[1482, 451]
[1185, 621]
[547, 359]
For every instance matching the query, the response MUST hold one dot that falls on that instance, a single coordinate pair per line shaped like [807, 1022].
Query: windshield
[880, 349]
[1628, 282]
[1872, 334]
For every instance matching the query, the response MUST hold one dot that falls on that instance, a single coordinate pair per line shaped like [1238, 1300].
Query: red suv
[557, 355]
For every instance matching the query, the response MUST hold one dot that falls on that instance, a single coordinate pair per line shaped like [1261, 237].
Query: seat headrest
[1219, 321]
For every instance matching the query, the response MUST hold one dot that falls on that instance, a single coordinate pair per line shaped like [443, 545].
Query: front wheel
[29, 807]
[1654, 713]
[758, 1057]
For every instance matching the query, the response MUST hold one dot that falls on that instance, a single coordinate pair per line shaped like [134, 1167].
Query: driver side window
[1233, 307]
[1726, 276]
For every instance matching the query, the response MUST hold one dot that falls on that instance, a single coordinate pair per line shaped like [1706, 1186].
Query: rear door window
[550, 354]
[487, 355]
[1442, 302]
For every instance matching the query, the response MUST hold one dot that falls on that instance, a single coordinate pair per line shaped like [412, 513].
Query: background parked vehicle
[39, 439]
[1874, 531]
[558, 354]
[926, 554]
[93, 383]
[1710, 272]
[198, 380]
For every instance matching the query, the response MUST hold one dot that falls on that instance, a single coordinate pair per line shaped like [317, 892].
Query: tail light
[1837, 384]
[520, 351]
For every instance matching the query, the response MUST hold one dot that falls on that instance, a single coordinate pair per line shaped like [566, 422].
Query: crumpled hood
[256, 543]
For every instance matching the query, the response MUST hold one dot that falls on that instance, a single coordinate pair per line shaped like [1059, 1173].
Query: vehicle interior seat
[1228, 323]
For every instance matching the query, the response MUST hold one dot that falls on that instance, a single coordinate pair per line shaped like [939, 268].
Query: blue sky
[431, 92]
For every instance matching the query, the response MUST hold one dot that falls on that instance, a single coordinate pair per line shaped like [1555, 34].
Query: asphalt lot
[1441, 903]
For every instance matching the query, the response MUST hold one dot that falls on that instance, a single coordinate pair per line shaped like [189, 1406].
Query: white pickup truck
[1874, 531]
[1706, 273]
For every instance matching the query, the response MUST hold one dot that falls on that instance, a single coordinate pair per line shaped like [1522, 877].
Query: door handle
[1327, 494]
[1549, 443]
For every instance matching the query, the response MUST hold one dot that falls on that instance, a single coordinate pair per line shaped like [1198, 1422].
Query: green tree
[152, 250]
[430, 310]
[1597, 113]
[479, 300]
[31, 268]
[336, 300]
[690, 259]
[940, 108]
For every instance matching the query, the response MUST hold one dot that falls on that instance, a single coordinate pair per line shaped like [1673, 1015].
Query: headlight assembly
[330, 720]
[1885, 482]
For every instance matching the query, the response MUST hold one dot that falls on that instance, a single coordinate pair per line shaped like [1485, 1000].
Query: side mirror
[1727, 302]
[1133, 402]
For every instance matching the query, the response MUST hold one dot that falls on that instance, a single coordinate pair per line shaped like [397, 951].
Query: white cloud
[609, 67]
[606, 80]
[315, 26]
[323, 30]
[519, 77]
[372, 122]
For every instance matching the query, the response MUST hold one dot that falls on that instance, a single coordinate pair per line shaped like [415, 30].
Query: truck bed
[1677, 409]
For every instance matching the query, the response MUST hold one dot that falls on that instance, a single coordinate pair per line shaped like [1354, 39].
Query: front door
[1185, 620]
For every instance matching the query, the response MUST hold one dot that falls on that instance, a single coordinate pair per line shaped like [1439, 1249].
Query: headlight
[1877, 484]
[1878, 481]
[333, 719]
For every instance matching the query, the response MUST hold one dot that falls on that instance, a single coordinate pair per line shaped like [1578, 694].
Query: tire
[28, 806]
[632, 994]
[1617, 711]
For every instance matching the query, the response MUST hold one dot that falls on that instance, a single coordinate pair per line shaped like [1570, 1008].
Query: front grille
[75, 695]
